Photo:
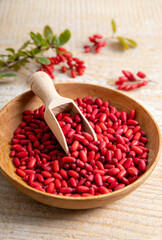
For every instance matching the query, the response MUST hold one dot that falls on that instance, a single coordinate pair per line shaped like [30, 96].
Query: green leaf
[1, 63]
[64, 37]
[8, 74]
[24, 45]
[123, 42]
[39, 37]
[10, 50]
[11, 58]
[113, 24]
[28, 53]
[33, 51]
[36, 51]
[23, 62]
[132, 42]
[16, 66]
[53, 39]
[57, 41]
[20, 53]
[48, 34]
[35, 38]
[45, 44]
[43, 60]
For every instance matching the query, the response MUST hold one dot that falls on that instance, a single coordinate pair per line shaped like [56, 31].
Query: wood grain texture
[139, 215]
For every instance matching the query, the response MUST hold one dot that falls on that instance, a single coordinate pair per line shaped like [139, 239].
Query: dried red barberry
[91, 168]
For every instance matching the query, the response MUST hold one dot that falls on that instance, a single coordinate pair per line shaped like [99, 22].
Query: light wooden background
[139, 215]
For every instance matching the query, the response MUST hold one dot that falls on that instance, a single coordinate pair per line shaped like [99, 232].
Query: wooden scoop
[42, 85]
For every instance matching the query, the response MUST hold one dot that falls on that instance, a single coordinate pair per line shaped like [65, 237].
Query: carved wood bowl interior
[11, 116]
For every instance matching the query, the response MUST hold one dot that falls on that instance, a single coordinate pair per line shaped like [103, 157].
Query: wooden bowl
[11, 116]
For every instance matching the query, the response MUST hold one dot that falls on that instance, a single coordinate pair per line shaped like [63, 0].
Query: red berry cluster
[129, 77]
[115, 160]
[75, 65]
[97, 43]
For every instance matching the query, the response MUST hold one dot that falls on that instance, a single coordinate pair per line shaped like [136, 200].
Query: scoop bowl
[11, 115]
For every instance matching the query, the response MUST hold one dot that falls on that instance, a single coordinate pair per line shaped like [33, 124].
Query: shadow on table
[115, 46]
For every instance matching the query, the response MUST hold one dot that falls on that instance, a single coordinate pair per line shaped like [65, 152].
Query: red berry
[141, 75]
[98, 36]
[73, 73]
[127, 87]
[104, 44]
[98, 49]
[121, 86]
[61, 49]
[129, 75]
[63, 69]
[134, 86]
[144, 83]
[91, 39]
[87, 49]
[123, 79]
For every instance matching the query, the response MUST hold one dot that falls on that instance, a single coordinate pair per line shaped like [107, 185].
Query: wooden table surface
[139, 215]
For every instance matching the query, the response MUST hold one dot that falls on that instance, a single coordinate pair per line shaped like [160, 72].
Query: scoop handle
[42, 85]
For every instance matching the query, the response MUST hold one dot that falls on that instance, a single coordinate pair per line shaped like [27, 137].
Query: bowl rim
[136, 183]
